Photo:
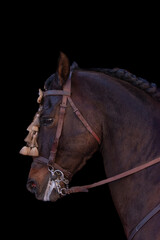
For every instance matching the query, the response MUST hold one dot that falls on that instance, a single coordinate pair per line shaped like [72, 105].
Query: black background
[102, 36]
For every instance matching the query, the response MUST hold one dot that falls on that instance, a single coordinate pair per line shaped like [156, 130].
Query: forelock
[52, 82]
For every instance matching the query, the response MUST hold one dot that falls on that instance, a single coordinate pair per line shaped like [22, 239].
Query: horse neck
[131, 133]
[128, 121]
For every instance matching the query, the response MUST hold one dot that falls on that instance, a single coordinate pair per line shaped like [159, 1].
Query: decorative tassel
[34, 140]
[28, 139]
[29, 129]
[34, 152]
[35, 122]
[32, 146]
[25, 151]
[29, 151]
[35, 129]
[40, 96]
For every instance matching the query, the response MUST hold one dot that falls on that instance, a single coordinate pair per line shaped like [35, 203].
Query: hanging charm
[40, 96]
[32, 146]
[29, 137]
[25, 150]
[34, 123]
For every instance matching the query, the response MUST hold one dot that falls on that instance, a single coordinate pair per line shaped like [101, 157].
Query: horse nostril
[31, 185]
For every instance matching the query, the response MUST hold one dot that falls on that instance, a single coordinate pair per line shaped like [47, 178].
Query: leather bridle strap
[114, 178]
[81, 118]
[56, 93]
[63, 106]
[66, 93]
[144, 221]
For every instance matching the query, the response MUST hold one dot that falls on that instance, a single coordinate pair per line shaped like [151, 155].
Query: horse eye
[46, 121]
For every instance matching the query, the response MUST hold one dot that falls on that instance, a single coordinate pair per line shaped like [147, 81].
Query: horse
[82, 111]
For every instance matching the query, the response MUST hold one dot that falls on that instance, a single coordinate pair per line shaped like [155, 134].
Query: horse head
[57, 140]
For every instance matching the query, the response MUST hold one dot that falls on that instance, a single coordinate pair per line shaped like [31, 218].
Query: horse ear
[63, 68]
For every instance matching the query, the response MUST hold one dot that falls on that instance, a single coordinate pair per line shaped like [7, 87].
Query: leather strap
[59, 130]
[81, 118]
[56, 92]
[112, 179]
[144, 221]
[62, 111]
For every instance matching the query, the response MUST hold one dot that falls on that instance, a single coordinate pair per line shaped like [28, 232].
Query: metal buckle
[58, 176]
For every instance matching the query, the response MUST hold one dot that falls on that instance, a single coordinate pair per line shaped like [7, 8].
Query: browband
[56, 93]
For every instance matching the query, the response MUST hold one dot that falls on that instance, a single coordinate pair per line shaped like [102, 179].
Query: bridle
[60, 176]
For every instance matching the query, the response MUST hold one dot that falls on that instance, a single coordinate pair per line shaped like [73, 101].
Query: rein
[114, 178]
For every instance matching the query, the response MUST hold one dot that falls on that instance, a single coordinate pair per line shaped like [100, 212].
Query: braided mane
[150, 88]
[139, 82]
